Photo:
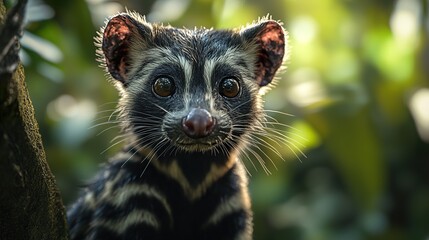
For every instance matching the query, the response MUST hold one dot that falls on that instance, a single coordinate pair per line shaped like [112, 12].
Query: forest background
[354, 163]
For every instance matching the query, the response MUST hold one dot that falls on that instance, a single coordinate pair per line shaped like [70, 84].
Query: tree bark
[30, 203]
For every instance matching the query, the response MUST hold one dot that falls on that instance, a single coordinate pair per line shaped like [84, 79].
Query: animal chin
[197, 145]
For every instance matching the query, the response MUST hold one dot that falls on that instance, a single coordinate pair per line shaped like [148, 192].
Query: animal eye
[229, 87]
[163, 87]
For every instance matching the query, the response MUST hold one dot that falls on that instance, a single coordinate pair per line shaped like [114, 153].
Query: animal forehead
[199, 44]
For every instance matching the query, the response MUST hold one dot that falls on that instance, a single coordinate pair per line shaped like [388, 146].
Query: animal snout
[198, 123]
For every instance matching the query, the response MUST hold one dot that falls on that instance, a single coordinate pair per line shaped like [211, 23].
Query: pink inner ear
[116, 44]
[272, 42]
[117, 26]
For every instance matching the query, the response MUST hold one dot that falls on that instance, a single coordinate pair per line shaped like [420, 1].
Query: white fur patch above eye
[186, 67]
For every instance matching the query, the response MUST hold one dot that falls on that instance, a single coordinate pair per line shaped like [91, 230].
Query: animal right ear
[122, 34]
[270, 41]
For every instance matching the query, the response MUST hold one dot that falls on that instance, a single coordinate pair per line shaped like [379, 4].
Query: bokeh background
[354, 156]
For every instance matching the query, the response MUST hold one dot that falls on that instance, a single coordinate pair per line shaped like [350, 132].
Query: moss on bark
[30, 203]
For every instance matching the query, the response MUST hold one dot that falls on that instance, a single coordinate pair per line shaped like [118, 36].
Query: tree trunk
[30, 203]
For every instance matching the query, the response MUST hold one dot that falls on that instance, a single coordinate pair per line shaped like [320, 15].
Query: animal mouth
[198, 144]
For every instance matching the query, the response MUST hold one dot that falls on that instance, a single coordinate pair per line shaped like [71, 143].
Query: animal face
[190, 90]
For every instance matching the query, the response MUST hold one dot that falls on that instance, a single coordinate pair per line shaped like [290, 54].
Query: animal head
[190, 90]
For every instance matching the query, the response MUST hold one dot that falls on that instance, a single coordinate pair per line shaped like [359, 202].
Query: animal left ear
[268, 37]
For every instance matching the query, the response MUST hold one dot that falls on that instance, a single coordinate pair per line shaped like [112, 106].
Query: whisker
[260, 150]
[276, 134]
[132, 155]
[270, 146]
[107, 129]
[278, 112]
[103, 123]
[114, 144]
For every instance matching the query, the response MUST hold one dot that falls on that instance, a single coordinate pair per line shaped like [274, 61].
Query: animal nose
[198, 123]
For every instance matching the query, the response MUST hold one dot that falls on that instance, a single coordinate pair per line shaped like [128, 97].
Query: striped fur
[123, 205]
[167, 184]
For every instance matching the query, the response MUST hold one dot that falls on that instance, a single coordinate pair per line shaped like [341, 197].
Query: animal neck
[194, 171]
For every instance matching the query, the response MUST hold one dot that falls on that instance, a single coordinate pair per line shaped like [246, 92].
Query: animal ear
[122, 35]
[268, 37]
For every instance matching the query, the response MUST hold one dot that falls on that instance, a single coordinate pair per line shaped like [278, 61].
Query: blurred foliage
[356, 85]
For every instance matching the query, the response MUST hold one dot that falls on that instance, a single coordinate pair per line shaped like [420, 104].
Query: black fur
[165, 184]
[188, 217]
